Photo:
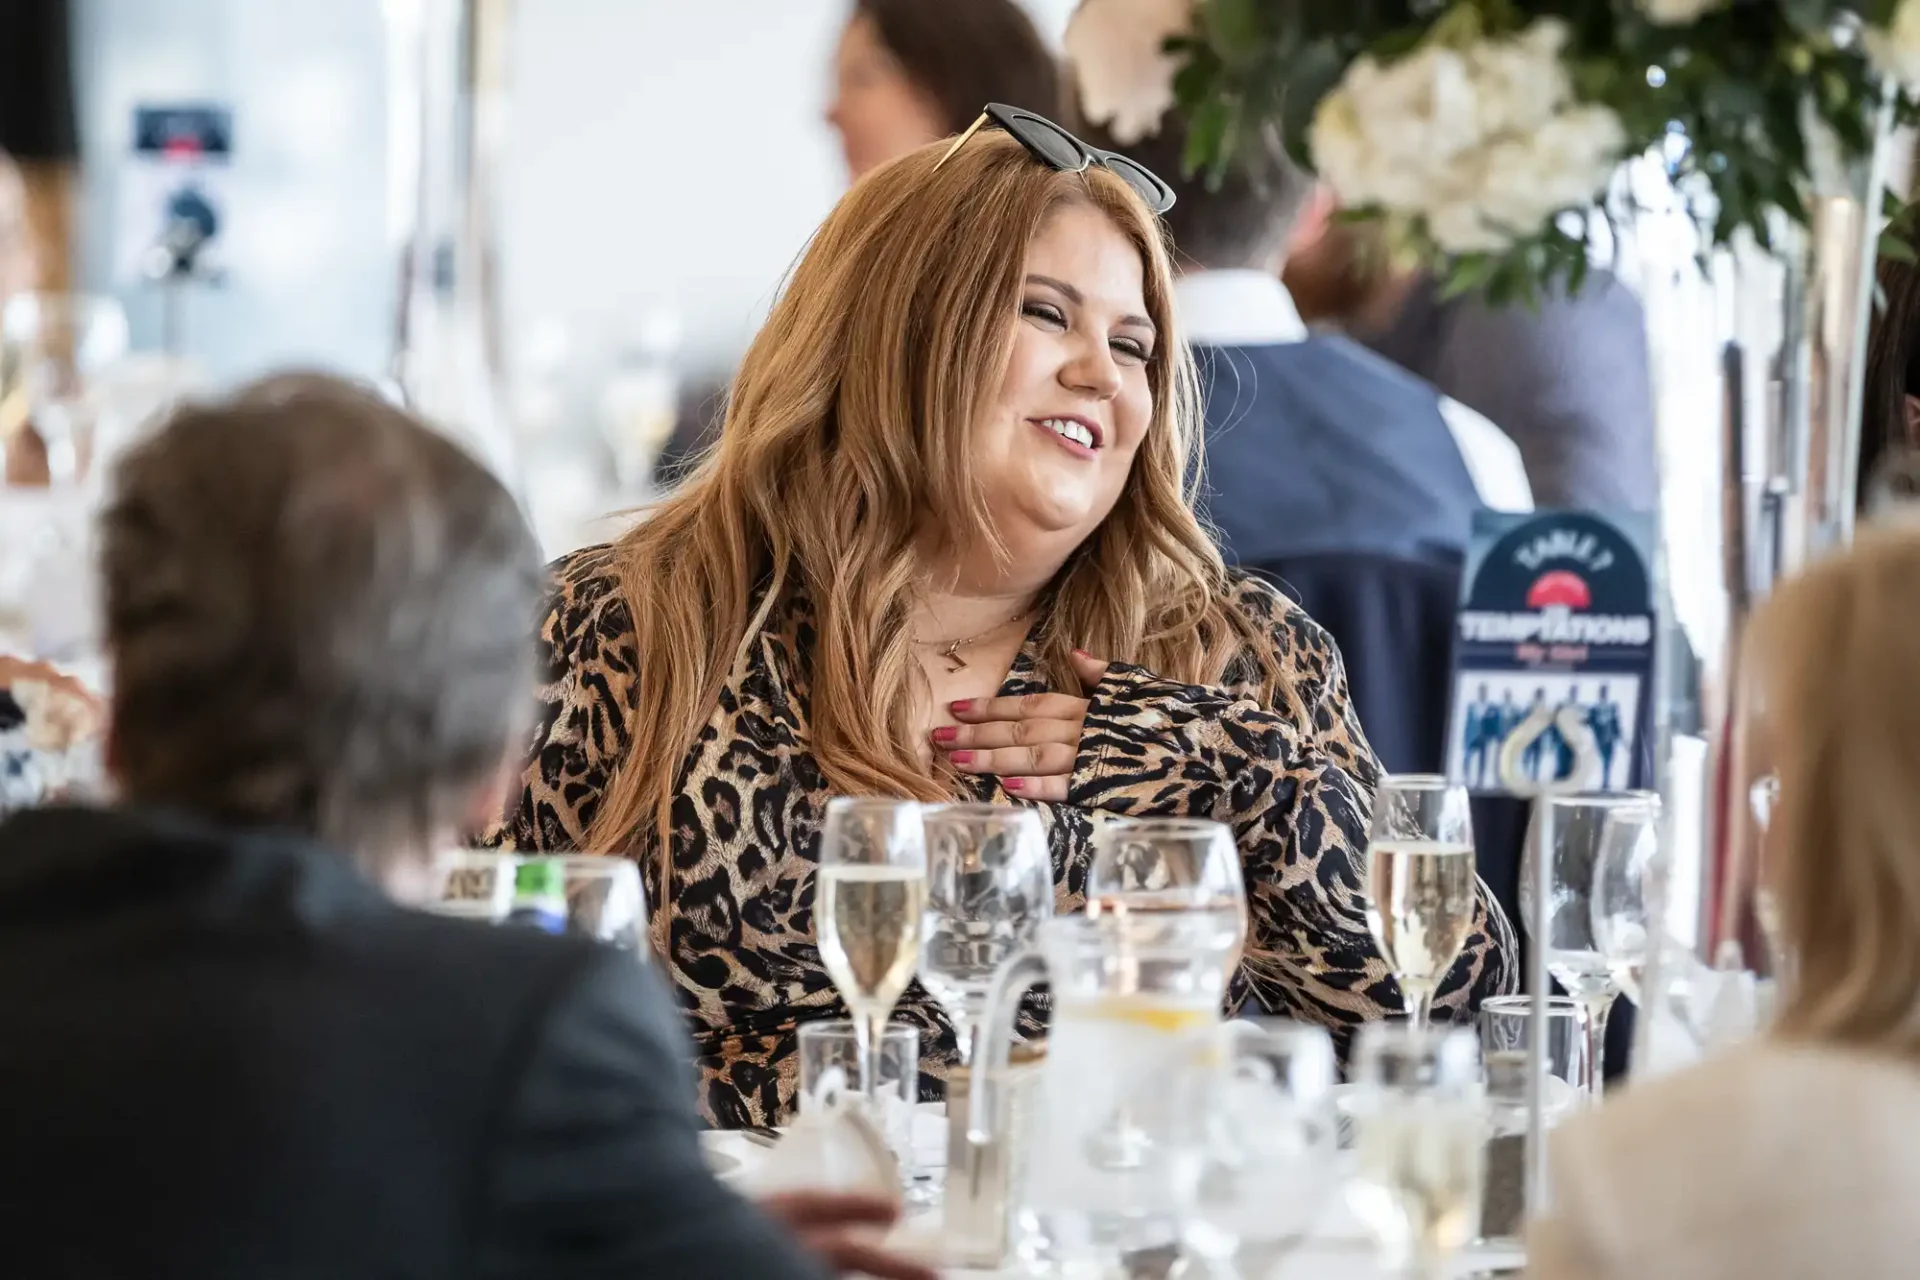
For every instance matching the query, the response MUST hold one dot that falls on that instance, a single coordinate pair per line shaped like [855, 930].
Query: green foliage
[1731, 86]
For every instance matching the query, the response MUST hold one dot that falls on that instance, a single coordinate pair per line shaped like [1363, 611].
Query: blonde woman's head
[898, 418]
[1836, 652]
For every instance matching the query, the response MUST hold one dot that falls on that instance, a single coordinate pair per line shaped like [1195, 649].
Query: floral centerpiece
[1483, 133]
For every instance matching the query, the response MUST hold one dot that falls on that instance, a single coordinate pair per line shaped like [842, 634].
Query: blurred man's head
[1245, 221]
[318, 614]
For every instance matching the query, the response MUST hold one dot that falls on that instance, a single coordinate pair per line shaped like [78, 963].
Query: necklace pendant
[955, 663]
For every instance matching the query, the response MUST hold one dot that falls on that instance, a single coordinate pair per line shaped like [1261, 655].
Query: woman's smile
[1081, 437]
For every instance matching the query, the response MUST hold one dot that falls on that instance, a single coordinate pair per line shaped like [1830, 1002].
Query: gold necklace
[949, 650]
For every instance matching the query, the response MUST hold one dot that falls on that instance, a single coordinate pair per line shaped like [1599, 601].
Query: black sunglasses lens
[1050, 142]
[1145, 184]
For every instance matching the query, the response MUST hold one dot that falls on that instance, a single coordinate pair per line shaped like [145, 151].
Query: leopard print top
[732, 905]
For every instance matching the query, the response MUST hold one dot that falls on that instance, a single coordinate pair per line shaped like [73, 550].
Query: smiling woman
[950, 491]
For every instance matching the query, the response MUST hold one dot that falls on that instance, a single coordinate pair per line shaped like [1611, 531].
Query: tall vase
[447, 103]
[1758, 357]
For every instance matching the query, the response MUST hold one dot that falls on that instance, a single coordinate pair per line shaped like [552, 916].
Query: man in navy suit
[1328, 467]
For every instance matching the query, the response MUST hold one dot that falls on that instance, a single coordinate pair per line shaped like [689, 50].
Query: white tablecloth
[1338, 1250]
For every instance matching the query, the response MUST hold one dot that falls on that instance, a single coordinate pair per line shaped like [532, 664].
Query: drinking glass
[605, 901]
[1574, 957]
[1420, 882]
[1263, 1095]
[1153, 866]
[870, 908]
[1506, 1037]
[1626, 892]
[58, 344]
[989, 885]
[1419, 1116]
[834, 1063]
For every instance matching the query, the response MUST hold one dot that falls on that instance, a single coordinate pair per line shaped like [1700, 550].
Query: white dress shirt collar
[1237, 309]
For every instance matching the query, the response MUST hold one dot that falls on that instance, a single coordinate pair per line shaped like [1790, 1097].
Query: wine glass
[1625, 892]
[1420, 882]
[1419, 1120]
[1574, 957]
[1157, 865]
[989, 885]
[870, 909]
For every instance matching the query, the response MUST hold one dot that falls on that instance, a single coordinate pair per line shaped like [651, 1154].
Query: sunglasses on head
[1054, 147]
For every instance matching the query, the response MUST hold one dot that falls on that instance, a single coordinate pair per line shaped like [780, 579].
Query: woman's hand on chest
[1029, 742]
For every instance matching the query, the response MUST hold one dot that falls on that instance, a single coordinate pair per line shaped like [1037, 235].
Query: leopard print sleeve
[585, 668]
[1296, 787]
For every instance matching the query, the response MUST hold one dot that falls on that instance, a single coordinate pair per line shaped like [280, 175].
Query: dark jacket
[231, 1056]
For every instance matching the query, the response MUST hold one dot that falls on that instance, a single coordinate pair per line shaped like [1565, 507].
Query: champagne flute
[1574, 957]
[1150, 866]
[989, 885]
[1419, 1119]
[1420, 882]
[872, 895]
[1625, 890]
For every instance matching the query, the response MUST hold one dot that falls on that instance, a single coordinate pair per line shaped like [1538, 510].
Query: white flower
[1483, 143]
[1114, 48]
[1895, 49]
[1676, 13]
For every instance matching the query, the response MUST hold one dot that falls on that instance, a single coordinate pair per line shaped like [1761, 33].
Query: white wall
[662, 152]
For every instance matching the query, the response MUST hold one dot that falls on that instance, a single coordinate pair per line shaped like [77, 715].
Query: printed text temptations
[1556, 625]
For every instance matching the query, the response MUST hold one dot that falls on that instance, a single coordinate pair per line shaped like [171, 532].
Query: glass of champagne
[1419, 1119]
[989, 885]
[1420, 882]
[1626, 879]
[1574, 957]
[871, 898]
[1159, 865]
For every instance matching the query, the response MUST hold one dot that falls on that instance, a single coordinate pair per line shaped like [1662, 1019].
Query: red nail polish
[961, 707]
[961, 757]
[1013, 784]
[946, 734]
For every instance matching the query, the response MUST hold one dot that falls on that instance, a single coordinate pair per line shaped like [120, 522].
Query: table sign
[1553, 665]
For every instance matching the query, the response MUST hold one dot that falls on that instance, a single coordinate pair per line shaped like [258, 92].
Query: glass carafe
[1102, 1147]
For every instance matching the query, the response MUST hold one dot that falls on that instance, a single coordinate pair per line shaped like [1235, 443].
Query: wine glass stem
[1595, 1026]
[867, 1033]
[963, 1042]
[1419, 998]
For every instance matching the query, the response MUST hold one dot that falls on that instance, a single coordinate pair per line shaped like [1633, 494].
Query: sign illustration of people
[1603, 717]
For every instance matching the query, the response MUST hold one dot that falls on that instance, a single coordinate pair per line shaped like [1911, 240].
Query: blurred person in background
[908, 72]
[1890, 406]
[1792, 1155]
[238, 1045]
[1329, 469]
[25, 461]
[952, 484]
[1567, 378]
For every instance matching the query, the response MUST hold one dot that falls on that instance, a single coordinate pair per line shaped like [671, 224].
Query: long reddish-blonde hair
[1835, 651]
[849, 432]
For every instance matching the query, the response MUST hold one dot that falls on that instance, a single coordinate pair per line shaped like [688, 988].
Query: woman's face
[880, 113]
[1074, 403]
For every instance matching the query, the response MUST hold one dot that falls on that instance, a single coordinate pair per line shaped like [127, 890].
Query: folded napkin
[832, 1149]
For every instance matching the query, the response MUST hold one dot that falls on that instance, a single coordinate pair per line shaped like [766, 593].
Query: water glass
[1268, 1139]
[1574, 957]
[1626, 892]
[1419, 1113]
[605, 901]
[989, 885]
[837, 1070]
[1157, 865]
[869, 906]
[1420, 882]
[1506, 1040]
